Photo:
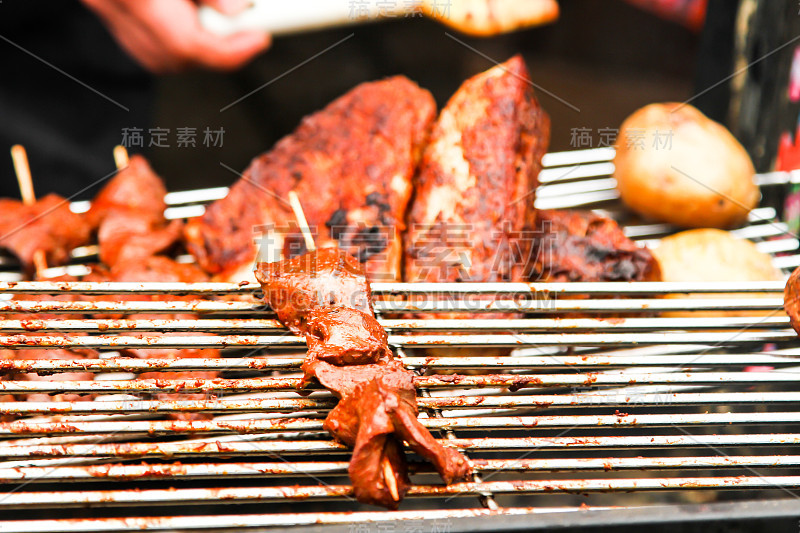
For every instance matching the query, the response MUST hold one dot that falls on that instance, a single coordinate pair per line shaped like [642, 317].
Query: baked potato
[673, 164]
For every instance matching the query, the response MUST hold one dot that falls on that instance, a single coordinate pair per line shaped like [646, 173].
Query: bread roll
[714, 255]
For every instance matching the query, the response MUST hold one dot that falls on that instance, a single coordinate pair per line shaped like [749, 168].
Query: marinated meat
[135, 187]
[46, 225]
[383, 397]
[584, 246]
[157, 268]
[325, 277]
[473, 207]
[126, 235]
[128, 214]
[351, 165]
[348, 354]
[343, 336]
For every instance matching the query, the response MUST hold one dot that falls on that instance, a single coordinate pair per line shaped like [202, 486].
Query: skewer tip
[297, 207]
[391, 482]
[121, 158]
[19, 157]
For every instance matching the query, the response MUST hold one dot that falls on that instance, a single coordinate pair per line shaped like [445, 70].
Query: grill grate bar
[111, 342]
[433, 381]
[435, 423]
[383, 288]
[182, 472]
[430, 518]
[429, 305]
[443, 324]
[684, 361]
[131, 450]
[38, 500]
[615, 398]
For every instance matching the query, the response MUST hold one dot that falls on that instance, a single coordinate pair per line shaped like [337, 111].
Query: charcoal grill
[620, 415]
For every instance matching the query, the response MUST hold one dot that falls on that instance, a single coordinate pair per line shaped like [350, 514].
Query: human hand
[166, 35]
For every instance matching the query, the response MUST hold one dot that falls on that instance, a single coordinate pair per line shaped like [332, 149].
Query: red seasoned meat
[129, 215]
[473, 207]
[791, 299]
[46, 225]
[325, 277]
[348, 353]
[584, 246]
[351, 165]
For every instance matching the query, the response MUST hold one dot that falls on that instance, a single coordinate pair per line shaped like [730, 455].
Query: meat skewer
[388, 474]
[324, 295]
[128, 213]
[24, 178]
[23, 171]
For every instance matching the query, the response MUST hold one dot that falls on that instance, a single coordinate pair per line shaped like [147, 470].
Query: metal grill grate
[621, 409]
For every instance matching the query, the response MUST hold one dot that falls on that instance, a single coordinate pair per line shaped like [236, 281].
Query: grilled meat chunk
[584, 246]
[46, 225]
[351, 165]
[475, 187]
[128, 214]
[348, 353]
[325, 277]
[343, 336]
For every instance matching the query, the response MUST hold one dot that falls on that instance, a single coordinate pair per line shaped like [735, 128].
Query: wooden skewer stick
[23, 171]
[121, 157]
[391, 482]
[294, 201]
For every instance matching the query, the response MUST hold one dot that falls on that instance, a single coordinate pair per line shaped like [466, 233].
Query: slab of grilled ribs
[351, 165]
[324, 296]
[472, 212]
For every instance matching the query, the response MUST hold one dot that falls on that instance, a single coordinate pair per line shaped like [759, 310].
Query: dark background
[605, 58]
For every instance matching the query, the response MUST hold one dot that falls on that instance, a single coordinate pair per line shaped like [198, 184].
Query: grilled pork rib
[351, 165]
[475, 187]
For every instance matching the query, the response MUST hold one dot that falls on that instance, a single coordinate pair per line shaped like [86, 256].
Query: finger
[231, 51]
[228, 7]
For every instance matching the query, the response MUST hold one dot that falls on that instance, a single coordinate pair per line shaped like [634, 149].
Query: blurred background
[604, 59]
